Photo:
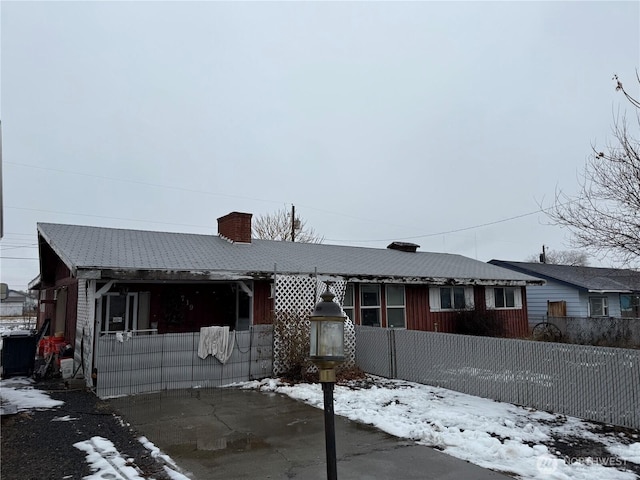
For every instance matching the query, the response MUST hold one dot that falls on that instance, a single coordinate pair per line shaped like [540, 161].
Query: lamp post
[327, 351]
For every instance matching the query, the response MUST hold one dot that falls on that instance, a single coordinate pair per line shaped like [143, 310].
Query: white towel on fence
[216, 341]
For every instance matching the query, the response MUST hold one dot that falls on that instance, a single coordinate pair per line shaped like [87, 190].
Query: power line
[107, 217]
[515, 217]
[184, 189]
[139, 182]
[181, 189]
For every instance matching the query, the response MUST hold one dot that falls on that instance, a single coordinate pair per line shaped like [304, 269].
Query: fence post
[393, 370]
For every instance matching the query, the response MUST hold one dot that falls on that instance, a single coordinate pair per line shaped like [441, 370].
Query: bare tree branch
[604, 216]
[277, 226]
[575, 258]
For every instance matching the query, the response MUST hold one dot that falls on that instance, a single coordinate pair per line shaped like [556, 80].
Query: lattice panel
[338, 288]
[296, 297]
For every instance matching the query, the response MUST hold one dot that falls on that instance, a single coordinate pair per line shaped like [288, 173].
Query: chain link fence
[132, 364]
[595, 383]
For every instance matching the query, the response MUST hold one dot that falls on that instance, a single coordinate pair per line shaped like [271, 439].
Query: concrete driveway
[230, 433]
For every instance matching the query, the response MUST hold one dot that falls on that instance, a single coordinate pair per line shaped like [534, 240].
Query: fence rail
[595, 383]
[146, 363]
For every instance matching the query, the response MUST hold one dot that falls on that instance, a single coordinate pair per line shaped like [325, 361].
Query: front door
[119, 312]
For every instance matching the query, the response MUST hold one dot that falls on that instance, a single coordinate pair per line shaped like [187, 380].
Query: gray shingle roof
[98, 248]
[585, 278]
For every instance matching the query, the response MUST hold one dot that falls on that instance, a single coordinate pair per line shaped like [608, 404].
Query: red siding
[419, 316]
[515, 321]
[71, 319]
[417, 305]
[262, 303]
[62, 280]
[47, 308]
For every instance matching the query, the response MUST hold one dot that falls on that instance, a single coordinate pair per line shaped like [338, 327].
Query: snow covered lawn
[528, 443]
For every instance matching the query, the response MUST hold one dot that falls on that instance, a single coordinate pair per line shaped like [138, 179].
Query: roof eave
[609, 291]
[35, 283]
[137, 274]
[67, 261]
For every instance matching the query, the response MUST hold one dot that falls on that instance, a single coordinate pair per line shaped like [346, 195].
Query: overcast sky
[379, 121]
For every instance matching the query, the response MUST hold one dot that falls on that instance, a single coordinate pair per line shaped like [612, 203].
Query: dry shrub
[348, 374]
[479, 323]
[292, 332]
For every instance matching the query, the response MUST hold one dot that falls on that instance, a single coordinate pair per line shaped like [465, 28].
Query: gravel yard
[39, 443]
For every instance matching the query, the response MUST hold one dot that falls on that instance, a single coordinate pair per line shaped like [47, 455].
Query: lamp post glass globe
[327, 336]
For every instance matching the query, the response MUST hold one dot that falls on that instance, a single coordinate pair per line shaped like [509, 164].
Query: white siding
[613, 300]
[577, 302]
[84, 328]
[539, 295]
[11, 309]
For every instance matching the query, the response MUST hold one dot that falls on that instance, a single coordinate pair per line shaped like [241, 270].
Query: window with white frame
[370, 305]
[119, 311]
[598, 307]
[395, 306]
[503, 298]
[451, 298]
[348, 303]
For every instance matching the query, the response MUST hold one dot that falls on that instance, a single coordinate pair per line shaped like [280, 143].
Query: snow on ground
[106, 461]
[17, 325]
[170, 466]
[103, 457]
[19, 391]
[494, 435]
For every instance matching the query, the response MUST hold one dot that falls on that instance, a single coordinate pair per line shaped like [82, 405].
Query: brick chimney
[235, 226]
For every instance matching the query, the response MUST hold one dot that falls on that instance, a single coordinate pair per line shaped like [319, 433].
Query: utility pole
[293, 223]
[543, 255]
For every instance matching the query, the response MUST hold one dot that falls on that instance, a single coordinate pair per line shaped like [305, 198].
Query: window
[119, 312]
[451, 298]
[370, 305]
[598, 307]
[395, 306]
[348, 304]
[630, 306]
[243, 320]
[504, 297]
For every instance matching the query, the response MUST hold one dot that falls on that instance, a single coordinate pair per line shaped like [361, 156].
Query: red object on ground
[50, 345]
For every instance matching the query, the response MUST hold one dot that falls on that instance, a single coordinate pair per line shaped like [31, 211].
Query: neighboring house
[574, 291]
[98, 281]
[15, 304]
